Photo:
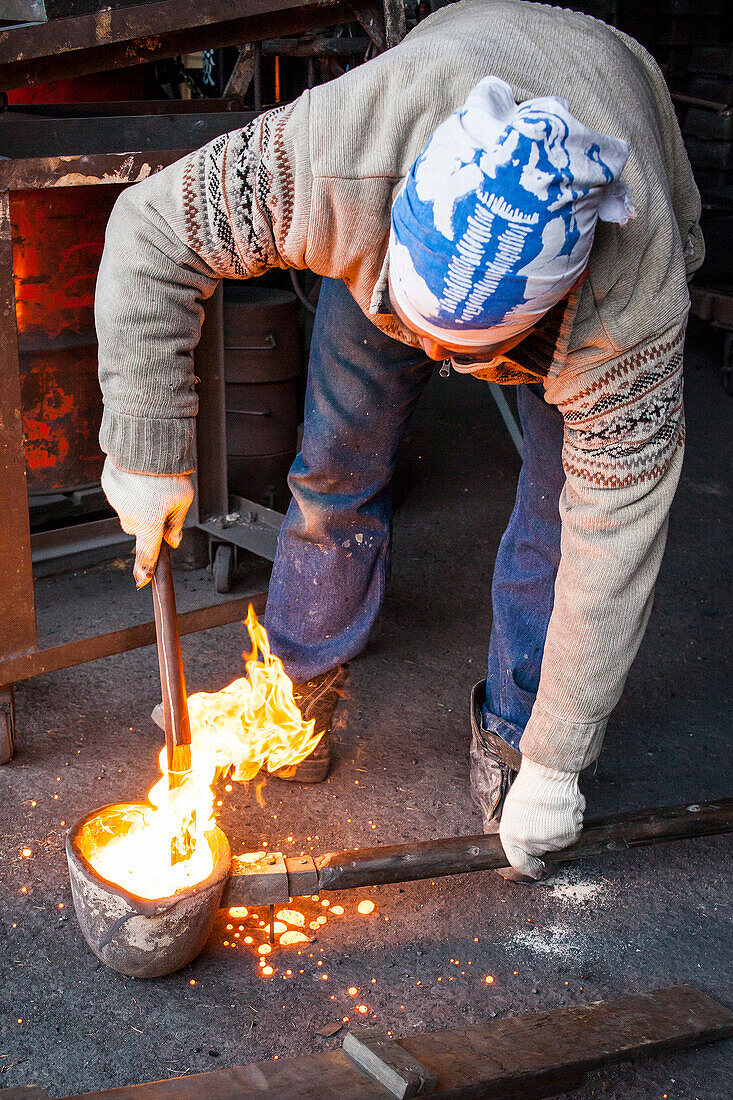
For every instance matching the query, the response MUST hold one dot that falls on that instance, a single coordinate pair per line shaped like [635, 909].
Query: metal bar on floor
[506, 415]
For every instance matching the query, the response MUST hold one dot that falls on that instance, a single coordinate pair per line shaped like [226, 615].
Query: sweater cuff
[149, 446]
[567, 746]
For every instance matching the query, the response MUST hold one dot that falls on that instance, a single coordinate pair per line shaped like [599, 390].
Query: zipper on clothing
[445, 368]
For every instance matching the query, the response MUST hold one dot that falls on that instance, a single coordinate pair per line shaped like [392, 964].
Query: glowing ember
[252, 724]
[292, 916]
[365, 907]
[289, 938]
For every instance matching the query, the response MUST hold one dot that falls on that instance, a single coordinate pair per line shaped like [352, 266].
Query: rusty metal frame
[113, 38]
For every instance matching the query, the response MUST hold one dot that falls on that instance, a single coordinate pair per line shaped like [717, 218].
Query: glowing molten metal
[251, 725]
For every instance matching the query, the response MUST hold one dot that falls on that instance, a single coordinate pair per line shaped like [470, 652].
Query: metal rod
[506, 415]
[173, 688]
[457, 855]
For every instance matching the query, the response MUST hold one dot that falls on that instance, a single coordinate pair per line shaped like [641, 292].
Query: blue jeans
[329, 575]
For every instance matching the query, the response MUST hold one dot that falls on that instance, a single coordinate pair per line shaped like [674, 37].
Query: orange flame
[251, 725]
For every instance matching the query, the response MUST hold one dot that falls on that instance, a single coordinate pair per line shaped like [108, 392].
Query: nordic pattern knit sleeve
[624, 441]
[223, 211]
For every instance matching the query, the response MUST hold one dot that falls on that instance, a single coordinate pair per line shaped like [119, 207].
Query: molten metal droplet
[365, 907]
[264, 949]
[352, 990]
[267, 970]
[362, 1008]
[289, 938]
[292, 916]
[27, 853]
[489, 979]
[338, 910]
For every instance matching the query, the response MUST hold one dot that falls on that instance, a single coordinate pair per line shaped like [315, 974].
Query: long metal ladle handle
[172, 682]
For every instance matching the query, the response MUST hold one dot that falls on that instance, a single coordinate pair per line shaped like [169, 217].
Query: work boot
[317, 699]
[494, 764]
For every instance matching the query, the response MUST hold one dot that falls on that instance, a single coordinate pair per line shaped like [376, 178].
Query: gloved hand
[152, 507]
[543, 812]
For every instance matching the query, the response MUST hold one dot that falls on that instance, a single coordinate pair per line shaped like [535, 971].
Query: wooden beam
[525, 1057]
[456, 855]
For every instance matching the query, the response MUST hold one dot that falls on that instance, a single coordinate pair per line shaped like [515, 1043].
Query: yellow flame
[251, 725]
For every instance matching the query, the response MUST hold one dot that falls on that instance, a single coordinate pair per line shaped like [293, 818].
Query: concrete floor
[630, 921]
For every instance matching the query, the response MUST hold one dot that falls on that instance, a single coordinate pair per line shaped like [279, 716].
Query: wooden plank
[389, 1064]
[527, 1057]
[522, 1056]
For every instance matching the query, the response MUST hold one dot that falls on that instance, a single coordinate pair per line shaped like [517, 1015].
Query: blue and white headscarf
[495, 221]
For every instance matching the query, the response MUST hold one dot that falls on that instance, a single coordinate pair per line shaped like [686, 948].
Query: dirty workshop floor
[420, 960]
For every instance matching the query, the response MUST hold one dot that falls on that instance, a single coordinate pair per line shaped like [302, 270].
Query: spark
[27, 853]
[352, 990]
[489, 979]
[192, 982]
[365, 907]
[238, 912]
[363, 1009]
[267, 970]
[264, 949]
[337, 910]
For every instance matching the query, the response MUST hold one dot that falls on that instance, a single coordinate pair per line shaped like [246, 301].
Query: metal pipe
[173, 689]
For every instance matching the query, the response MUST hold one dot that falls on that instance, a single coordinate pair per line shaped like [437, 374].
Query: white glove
[543, 812]
[152, 507]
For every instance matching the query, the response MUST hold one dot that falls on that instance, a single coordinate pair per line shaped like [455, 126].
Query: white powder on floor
[567, 888]
[559, 940]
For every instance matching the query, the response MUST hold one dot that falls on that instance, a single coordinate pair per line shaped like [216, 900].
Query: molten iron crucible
[147, 938]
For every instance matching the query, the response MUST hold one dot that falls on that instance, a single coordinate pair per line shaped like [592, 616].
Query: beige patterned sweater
[311, 185]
